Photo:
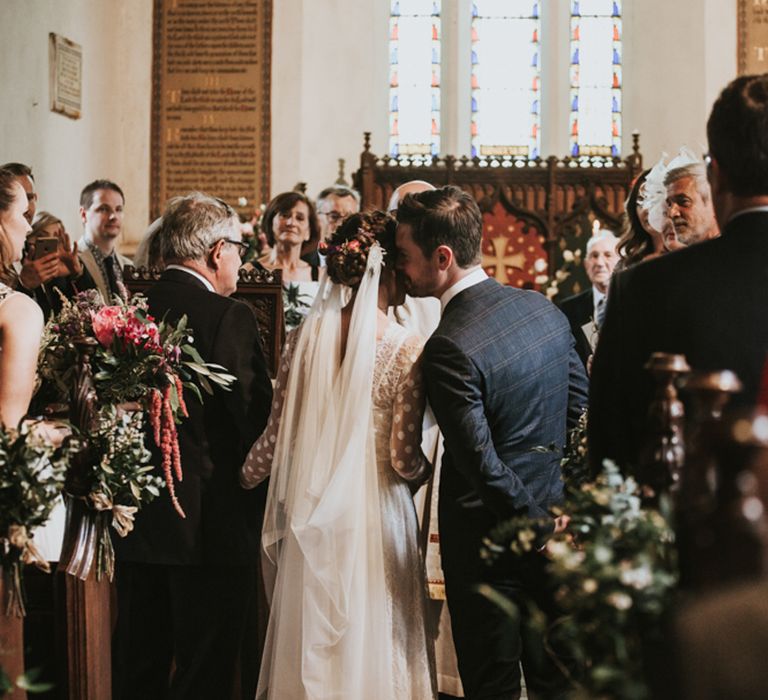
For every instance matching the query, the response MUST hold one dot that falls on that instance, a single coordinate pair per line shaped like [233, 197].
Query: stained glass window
[505, 78]
[414, 78]
[595, 77]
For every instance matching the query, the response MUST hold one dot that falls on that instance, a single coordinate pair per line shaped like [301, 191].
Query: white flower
[568, 256]
[541, 279]
[561, 275]
[558, 548]
[589, 585]
[620, 601]
[540, 265]
[602, 555]
[638, 578]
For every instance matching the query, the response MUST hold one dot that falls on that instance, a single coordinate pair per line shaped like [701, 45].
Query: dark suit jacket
[709, 302]
[223, 521]
[503, 380]
[579, 309]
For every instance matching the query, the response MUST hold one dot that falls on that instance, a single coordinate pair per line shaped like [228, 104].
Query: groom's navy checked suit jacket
[503, 379]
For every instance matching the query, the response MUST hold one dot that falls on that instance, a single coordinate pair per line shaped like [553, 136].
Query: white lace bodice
[398, 408]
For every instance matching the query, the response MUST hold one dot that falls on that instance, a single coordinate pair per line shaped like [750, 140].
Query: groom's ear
[443, 256]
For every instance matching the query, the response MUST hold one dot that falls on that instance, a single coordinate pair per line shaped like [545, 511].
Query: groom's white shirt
[475, 277]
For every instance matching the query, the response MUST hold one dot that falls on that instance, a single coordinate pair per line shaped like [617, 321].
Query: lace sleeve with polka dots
[258, 464]
[407, 414]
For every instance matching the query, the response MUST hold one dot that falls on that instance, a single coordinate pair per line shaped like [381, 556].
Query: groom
[504, 380]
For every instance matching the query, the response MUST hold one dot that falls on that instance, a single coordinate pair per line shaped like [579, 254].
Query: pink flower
[353, 245]
[105, 323]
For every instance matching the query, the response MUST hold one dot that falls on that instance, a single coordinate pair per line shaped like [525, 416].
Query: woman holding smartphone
[50, 263]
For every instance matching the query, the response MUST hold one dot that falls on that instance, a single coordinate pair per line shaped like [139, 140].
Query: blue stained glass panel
[505, 77]
[414, 77]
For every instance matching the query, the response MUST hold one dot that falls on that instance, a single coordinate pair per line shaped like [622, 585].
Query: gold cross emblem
[501, 261]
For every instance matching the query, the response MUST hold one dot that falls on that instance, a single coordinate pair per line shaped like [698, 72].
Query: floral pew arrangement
[117, 363]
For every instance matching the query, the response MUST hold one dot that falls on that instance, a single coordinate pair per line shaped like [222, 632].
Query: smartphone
[45, 246]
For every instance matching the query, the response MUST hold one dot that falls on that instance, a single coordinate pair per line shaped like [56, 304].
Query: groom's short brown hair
[448, 216]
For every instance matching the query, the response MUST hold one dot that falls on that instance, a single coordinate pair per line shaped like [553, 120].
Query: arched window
[506, 61]
[595, 77]
[414, 78]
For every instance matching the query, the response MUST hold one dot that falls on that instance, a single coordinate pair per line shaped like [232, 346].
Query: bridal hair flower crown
[347, 257]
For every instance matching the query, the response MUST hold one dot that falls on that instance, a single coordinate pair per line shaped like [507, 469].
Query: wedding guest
[689, 203]
[21, 321]
[342, 559]
[148, 254]
[334, 204]
[21, 324]
[185, 586]
[289, 221]
[585, 311]
[639, 240]
[101, 211]
[708, 301]
[490, 338]
[26, 179]
[48, 276]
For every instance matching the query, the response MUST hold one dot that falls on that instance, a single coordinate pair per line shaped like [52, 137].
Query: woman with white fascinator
[341, 556]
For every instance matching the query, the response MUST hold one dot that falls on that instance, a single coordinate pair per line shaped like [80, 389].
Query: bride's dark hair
[346, 251]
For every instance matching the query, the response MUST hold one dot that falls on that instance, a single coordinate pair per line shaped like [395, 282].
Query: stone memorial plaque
[753, 37]
[65, 59]
[210, 101]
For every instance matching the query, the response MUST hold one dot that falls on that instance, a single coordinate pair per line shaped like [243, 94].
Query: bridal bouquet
[137, 361]
[32, 475]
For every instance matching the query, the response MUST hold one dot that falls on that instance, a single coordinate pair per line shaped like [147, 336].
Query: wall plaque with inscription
[753, 37]
[210, 100]
[65, 62]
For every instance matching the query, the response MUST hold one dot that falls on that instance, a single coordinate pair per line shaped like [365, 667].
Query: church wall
[111, 139]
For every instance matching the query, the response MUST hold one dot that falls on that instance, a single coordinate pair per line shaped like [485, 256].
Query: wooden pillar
[11, 644]
[85, 631]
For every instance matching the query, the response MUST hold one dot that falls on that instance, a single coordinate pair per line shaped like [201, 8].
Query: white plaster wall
[678, 56]
[329, 84]
[111, 139]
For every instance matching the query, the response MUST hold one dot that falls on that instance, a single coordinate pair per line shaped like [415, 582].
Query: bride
[342, 562]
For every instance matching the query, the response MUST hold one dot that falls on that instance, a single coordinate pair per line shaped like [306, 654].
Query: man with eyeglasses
[334, 204]
[101, 211]
[186, 587]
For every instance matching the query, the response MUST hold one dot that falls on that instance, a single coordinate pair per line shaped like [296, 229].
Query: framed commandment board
[210, 101]
[753, 37]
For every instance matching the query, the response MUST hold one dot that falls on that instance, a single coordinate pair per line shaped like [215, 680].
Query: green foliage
[615, 573]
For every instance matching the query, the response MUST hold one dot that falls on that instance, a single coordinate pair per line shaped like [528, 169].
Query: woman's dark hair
[635, 243]
[346, 251]
[282, 204]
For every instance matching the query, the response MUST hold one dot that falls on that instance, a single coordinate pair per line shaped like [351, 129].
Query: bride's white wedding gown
[401, 637]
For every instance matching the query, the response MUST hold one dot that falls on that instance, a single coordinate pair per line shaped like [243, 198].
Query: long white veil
[328, 634]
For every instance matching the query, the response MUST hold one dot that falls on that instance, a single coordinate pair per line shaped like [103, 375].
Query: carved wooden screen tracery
[532, 209]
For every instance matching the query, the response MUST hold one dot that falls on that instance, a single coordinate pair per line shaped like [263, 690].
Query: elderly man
[585, 311]
[708, 301]
[689, 204]
[184, 586]
[101, 211]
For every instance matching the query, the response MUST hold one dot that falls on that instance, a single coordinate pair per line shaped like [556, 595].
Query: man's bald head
[410, 187]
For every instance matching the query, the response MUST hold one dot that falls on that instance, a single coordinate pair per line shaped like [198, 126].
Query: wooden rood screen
[532, 210]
